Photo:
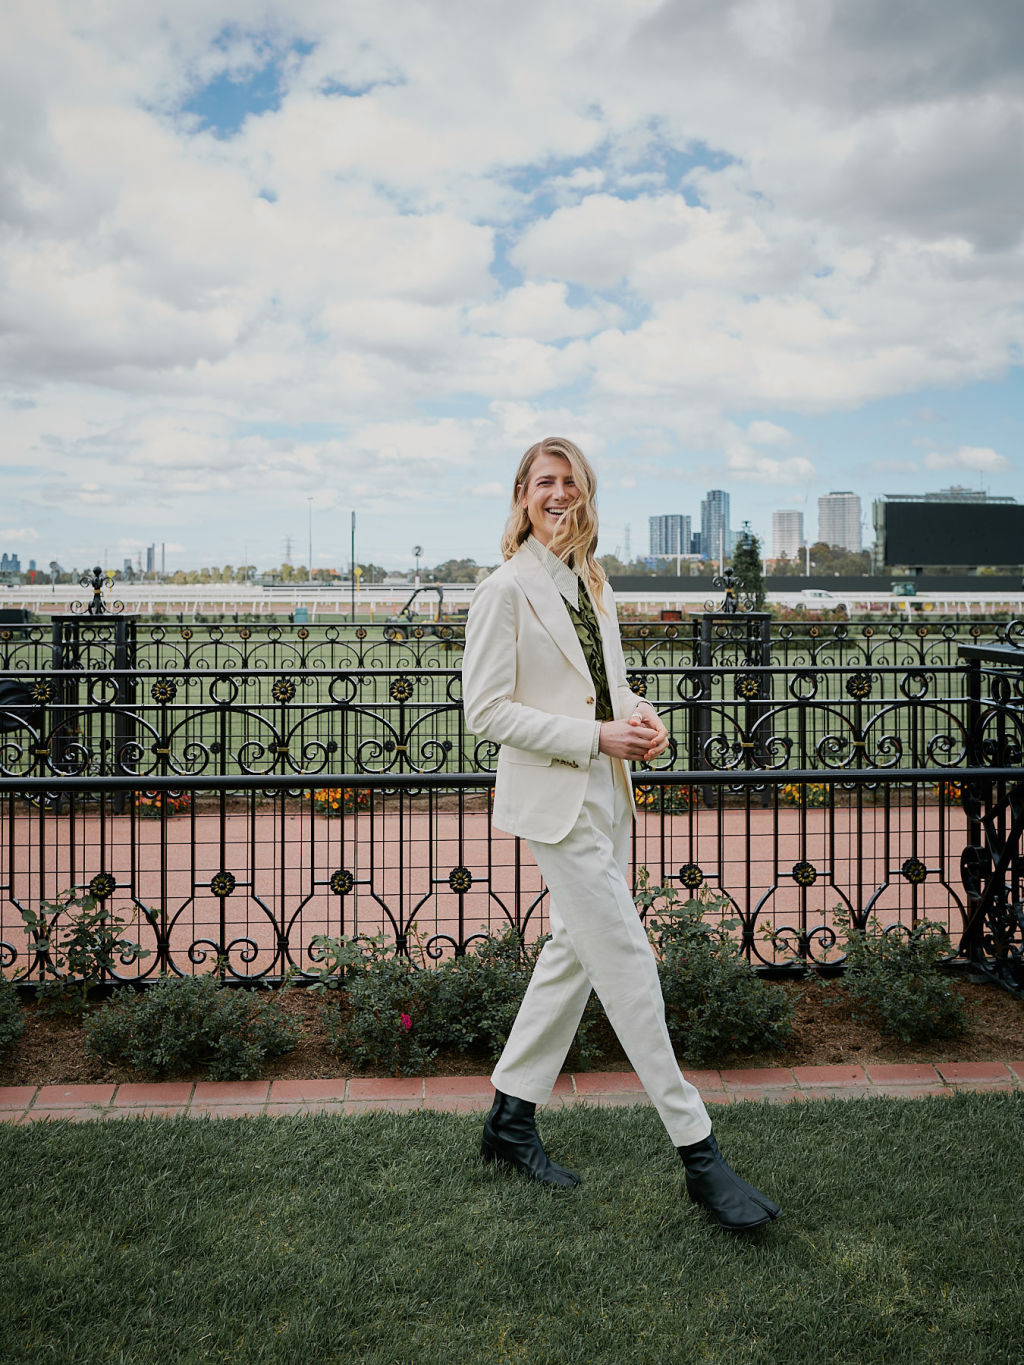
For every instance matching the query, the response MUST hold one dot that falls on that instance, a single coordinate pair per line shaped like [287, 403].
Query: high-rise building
[839, 521]
[787, 534]
[670, 534]
[150, 558]
[716, 539]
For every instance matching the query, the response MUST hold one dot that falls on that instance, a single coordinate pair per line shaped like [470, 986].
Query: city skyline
[261, 268]
[840, 525]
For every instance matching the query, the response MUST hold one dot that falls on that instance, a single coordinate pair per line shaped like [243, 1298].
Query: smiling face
[550, 489]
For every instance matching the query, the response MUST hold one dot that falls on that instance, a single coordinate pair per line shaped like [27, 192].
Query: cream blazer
[527, 687]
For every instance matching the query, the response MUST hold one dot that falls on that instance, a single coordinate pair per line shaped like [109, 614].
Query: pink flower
[406, 1022]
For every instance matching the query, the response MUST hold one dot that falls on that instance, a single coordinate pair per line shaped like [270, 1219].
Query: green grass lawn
[384, 1239]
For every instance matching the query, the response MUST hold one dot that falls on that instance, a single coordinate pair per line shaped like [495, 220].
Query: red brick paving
[16, 1096]
[382, 1106]
[208, 1109]
[462, 1104]
[74, 1096]
[599, 1082]
[385, 1088]
[447, 1087]
[832, 1076]
[956, 1072]
[472, 1094]
[900, 1075]
[759, 1077]
[306, 1091]
[154, 1092]
[911, 1092]
[705, 1080]
[313, 1107]
[232, 1092]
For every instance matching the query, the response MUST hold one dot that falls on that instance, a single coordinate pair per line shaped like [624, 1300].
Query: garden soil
[52, 1051]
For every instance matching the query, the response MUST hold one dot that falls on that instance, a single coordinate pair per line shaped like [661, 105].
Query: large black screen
[954, 533]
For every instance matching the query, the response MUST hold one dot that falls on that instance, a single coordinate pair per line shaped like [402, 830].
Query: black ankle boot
[712, 1182]
[510, 1135]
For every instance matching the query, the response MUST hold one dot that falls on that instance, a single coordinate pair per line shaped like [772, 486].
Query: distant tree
[833, 559]
[746, 565]
[788, 568]
[451, 571]
[636, 568]
[612, 566]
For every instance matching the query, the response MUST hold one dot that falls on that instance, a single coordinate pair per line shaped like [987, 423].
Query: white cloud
[541, 311]
[895, 466]
[968, 457]
[19, 534]
[767, 434]
[751, 465]
[662, 228]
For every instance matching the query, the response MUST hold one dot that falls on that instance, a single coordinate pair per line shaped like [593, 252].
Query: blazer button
[590, 701]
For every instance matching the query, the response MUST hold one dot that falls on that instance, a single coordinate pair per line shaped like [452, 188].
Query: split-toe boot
[711, 1182]
[510, 1136]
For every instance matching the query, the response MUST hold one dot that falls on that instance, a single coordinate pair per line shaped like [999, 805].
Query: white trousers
[597, 943]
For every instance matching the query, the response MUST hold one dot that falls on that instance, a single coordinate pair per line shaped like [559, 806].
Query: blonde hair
[575, 537]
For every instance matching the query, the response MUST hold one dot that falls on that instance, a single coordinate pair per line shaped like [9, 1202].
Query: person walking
[544, 677]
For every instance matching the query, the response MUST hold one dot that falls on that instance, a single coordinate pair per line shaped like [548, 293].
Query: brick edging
[352, 1095]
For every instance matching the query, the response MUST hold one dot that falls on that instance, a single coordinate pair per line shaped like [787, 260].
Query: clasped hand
[641, 737]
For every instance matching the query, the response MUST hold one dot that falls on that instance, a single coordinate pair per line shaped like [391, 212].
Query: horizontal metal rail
[757, 777]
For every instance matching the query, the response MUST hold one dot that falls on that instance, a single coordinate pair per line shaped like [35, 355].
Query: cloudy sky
[364, 252]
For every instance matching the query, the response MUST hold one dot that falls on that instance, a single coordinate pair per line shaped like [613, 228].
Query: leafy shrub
[78, 939]
[474, 999]
[896, 978]
[383, 1027]
[714, 1001]
[183, 1023]
[398, 1016]
[12, 1020]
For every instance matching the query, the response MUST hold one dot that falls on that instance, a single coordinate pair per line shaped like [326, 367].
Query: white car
[827, 601]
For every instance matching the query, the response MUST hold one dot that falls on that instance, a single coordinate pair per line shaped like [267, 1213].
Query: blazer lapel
[551, 611]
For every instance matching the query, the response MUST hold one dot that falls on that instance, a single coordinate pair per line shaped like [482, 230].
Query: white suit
[526, 686]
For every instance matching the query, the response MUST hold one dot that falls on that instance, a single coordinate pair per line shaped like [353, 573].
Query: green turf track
[384, 1239]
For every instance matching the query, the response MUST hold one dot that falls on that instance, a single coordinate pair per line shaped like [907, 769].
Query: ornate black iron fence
[239, 875]
[147, 723]
[279, 646]
[792, 791]
[992, 862]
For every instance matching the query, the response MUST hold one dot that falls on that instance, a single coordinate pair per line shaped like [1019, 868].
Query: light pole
[352, 566]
